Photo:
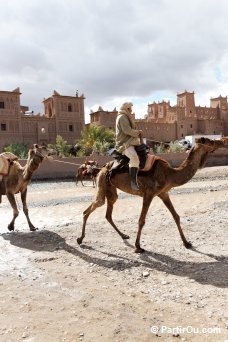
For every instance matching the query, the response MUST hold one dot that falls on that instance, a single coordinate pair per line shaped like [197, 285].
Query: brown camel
[18, 178]
[89, 170]
[156, 182]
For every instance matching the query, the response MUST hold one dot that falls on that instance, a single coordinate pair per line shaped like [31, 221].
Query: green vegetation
[94, 138]
[19, 149]
[97, 138]
[61, 146]
[160, 149]
[174, 146]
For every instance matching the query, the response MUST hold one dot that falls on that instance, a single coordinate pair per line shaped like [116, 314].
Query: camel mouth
[45, 153]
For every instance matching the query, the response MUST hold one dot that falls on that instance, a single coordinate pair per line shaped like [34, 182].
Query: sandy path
[54, 290]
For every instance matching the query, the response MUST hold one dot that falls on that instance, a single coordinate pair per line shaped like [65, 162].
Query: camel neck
[189, 167]
[31, 166]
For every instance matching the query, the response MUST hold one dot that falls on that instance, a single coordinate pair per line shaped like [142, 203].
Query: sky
[114, 51]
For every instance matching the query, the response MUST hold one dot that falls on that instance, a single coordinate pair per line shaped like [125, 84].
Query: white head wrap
[126, 106]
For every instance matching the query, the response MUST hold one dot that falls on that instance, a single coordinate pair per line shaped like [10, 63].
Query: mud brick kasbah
[64, 115]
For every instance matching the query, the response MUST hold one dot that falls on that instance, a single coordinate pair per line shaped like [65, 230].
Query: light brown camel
[156, 182]
[18, 178]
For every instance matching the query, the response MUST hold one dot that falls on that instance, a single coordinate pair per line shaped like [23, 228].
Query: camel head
[41, 152]
[225, 139]
[207, 146]
[210, 145]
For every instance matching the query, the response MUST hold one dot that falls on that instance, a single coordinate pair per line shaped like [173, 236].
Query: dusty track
[54, 290]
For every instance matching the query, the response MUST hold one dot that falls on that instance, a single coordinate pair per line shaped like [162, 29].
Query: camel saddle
[6, 159]
[121, 162]
[93, 171]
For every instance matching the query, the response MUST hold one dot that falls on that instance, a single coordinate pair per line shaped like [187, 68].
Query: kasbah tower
[64, 115]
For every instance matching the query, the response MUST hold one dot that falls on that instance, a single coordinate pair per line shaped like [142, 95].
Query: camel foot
[125, 237]
[79, 241]
[139, 250]
[10, 227]
[188, 245]
[33, 229]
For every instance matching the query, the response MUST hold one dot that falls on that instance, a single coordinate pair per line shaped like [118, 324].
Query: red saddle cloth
[149, 162]
[85, 172]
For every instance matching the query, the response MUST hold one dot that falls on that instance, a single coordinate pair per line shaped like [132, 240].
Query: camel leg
[99, 201]
[111, 199]
[13, 204]
[25, 209]
[79, 176]
[147, 198]
[166, 200]
[93, 180]
[86, 213]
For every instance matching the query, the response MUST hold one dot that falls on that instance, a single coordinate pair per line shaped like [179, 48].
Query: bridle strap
[39, 154]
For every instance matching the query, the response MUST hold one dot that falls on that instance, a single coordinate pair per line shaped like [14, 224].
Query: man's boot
[133, 174]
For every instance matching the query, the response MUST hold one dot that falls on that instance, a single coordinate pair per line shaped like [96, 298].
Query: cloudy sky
[113, 51]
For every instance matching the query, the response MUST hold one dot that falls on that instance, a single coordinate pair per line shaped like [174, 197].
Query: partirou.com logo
[163, 329]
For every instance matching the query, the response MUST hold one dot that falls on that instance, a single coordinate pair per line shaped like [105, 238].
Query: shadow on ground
[213, 273]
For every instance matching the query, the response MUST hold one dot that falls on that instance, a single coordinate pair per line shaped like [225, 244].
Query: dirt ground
[54, 290]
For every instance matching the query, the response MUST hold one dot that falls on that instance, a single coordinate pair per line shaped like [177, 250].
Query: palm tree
[19, 149]
[97, 138]
[61, 146]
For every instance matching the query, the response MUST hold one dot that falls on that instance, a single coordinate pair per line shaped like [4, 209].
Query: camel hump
[4, 166]
[8, 155]
[6, 158]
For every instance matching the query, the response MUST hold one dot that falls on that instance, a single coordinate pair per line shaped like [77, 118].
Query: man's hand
[140, 133]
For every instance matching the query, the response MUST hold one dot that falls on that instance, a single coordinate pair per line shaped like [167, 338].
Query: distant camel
[156, 182]
[87, 170]
[18, 178]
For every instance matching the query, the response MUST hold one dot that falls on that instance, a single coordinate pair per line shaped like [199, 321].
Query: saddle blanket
[5, 159]
[149, 162]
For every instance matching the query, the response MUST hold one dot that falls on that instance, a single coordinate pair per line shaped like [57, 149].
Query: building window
[69, 108]
[191, 126]
[2, 104]
[3, 127]
[71, 128]
[181, 126]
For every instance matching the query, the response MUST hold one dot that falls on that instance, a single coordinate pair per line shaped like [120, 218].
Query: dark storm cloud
[109, 50]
